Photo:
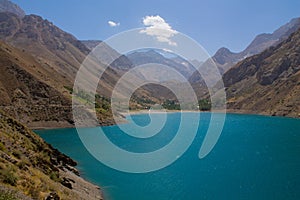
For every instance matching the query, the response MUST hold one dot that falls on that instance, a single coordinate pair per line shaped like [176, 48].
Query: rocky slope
[26, 93]
[8, 6]
[36, 95]
[267, 83]
[52, 47]
[35, 169]
[57, 57]
[43, 56]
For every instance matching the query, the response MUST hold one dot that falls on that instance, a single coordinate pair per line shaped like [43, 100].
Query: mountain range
[52, 58]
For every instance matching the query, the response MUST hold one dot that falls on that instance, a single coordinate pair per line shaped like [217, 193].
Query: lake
[256, 157]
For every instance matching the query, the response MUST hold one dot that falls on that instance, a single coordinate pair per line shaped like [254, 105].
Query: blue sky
[212, 23]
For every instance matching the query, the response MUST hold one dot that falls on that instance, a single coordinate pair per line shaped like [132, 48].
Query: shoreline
[48, 125]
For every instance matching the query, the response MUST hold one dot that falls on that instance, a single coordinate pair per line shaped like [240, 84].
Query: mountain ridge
[269, 82]
[225, 59]
[8, 6]
[153, 56]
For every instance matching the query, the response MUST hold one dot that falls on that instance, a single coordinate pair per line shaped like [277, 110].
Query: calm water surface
[256, 157]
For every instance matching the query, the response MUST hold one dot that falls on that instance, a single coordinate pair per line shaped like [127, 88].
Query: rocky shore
[32, 168]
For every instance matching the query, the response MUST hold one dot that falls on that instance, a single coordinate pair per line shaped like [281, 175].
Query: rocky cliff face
[269, 82]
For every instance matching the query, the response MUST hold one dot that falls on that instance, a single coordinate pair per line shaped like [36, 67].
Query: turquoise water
[256, 157]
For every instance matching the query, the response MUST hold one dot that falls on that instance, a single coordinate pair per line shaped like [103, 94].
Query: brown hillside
[267, 83]
[25, 89]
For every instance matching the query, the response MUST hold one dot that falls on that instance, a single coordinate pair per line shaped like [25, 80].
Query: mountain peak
[8, 6]
[223, 56]
[288, 28]
[225, 59]
[265, 40]
[223, 51]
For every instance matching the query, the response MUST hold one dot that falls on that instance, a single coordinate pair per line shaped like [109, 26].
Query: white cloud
[159, 28]
[113, 24]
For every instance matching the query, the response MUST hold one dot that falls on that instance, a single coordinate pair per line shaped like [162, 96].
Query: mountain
[225, 59]
[122, 63]
[55, 58]
[39, 63]
[159, 57]
[91, 44]
[136, 58]
[151, 93]
[8, 6]
[50, 57]
[27, 94]
[32, 169]
[265, 40]
[52, 47]
[269, 82]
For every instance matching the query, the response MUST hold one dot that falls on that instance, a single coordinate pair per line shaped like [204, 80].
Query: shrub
[23, 164]
[17, 154]
[9, 176]
[204, 105]
[69, 89]
[2, 146]
[54, 176]
[7, 195]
